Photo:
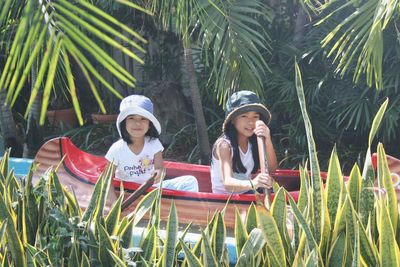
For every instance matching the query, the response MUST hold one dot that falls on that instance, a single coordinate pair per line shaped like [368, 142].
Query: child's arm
[263, 130]
[158, 165]
[223, 152]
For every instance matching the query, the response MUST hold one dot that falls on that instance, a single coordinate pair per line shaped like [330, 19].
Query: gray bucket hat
[244, 101]
[137, 105]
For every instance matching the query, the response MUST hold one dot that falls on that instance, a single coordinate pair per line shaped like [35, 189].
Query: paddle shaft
[140, 191]
[262, 154]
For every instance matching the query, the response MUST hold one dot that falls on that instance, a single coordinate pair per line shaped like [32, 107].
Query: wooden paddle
[141, 190]
[262, 154]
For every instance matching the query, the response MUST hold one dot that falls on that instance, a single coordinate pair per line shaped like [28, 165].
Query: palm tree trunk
[34, 135]
[7, 126]
[201, 126]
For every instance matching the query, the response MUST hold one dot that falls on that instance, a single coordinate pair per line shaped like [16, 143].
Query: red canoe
[80, 170]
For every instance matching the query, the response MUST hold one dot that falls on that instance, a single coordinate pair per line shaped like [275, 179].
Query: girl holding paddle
[138, 154]
[235, 153]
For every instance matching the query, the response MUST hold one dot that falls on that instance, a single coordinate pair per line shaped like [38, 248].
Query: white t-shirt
[215, 170]
[134, 167]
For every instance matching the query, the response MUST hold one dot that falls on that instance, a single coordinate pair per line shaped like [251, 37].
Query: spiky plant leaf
[334, 186]
[316, 181]
[337, 255]
[388, 247]
[171, 237]
[149, 244]
[117, 260]
[240, 232]
[252, 247]
[73, 256]
[105, 245]
[125, 232]
[385, 182]
[251, 218]
[271, 233]
[354, 186]
[147, 203]
[368, 177]
[218, 237]
[85, 262]
[13, 242]
[114, 215]
[190, 258]
[208, 253]
[91, 208]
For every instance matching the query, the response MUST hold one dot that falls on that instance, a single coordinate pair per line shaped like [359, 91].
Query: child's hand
[159, 174]
[262, 129]
[262, 180]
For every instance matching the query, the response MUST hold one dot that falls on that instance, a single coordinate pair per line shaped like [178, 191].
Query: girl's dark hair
[152, 132]
[237, 165]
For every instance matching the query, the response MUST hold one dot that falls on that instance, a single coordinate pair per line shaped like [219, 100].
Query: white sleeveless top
[215, 170]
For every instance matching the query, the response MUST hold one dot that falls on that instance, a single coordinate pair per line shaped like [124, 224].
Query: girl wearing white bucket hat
[138, 154]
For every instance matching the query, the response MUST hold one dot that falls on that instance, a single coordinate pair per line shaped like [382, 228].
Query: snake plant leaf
[354, 186]
[113, 216]
[125, 232]
[40, 258]
[145, 204]
[240, 232]
[252, 247]
[91, 208]
[385, 182]
[279, 212]
[4, 166]
[149, 244]
[316, 181]
[218, 237]
[105, 245]
[73, 256]
[190, 258]
[106, 185]
[312, 244]
[337, 255]
[171, 237]
[312, 259]
[117, 260]
[251, 218]
[334, 186]
[207, 251]
[389, 249]
[13, 242]
[85, 262]
[271, 233]
[72, 203]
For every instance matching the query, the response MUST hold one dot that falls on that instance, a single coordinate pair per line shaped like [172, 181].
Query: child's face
[246, 123]
[137, 126]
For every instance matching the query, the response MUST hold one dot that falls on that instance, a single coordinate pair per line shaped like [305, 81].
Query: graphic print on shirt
[145, 166]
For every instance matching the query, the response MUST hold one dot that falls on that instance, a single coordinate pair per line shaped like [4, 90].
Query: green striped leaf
[316, 182]
[240, 232]
[73, 259]
[145, 205]
[113, 216]
[251, 218]
[218, 237]
[354, 186]
[388, 247]
[337, 255]
[190, 258]
[271, 233]
[334, 186]
[252, 247]
[208, 254]
[105, 245]
[385, 181]
[171, 238]
[149, 244]
[117, 260]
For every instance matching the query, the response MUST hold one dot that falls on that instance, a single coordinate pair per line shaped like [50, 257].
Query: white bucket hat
[137, 105]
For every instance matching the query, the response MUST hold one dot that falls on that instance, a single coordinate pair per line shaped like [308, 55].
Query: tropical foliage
[340, 224]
